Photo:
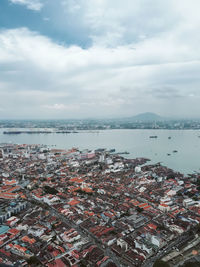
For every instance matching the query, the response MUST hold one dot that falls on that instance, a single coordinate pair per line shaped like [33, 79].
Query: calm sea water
[137, 142]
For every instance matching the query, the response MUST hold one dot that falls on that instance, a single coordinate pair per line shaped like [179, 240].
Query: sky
[62, 59]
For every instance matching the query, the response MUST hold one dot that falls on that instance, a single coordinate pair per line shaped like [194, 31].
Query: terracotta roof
[73, 202]
[56, 263]
[152, 226]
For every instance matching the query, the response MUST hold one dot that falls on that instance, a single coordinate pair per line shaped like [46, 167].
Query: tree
[139, 209]
[83, 263]
[33, 261]
[171, 175]
[160, 263]
[195, 198]
[50, 190]
[191, 264]
[198, 228]
[161, 227]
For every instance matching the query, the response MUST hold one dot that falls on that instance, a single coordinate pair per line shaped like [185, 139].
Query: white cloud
[143, 57]
[35, 5]
[117, 22]
[62, 107]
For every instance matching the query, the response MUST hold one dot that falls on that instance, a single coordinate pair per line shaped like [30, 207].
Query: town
[77, 208]
[74, 125]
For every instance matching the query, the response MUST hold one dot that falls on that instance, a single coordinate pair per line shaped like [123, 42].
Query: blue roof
[4, 229]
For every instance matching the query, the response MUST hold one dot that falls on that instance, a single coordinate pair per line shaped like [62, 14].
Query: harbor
[184, 146]
[38, 131]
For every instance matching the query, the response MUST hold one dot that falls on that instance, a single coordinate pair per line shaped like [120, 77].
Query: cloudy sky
[99, 58]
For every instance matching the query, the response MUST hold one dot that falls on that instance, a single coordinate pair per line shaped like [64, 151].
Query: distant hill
[148, 116]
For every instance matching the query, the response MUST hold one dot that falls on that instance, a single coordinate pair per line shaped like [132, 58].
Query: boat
[28, 132]
[121, 153]
[63, 132]
[153, 136]
[100, 149]
[12, 132]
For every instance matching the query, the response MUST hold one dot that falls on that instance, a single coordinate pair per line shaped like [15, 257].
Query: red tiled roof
[14, 231]
[152, 226]
[73, 202]
[56, 263]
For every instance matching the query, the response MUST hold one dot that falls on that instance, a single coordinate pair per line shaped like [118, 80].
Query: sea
[137, 142]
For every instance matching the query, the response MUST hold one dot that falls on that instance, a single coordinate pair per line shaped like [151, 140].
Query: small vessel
[12, 132]
[125, 152]
[175, 151]
[169, 137]
[153, 136]
[168, 154]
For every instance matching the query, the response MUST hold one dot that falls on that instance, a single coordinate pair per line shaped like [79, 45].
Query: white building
[41, 156]
[137, 169]
[109, 161]
[164, 207]
[102, 158]
[156, 241]
[142, 246]
[49, 200]
[122, 244]
[36, 232]
[188, 202]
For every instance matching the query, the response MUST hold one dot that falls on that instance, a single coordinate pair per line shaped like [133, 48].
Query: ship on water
[37, 131]
[29, 131]
[153, 136]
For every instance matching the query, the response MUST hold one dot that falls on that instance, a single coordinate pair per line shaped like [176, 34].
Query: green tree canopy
[33, 261]
[160, 263]
[50, 190]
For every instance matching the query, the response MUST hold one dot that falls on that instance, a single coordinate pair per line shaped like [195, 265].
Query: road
[108, 252]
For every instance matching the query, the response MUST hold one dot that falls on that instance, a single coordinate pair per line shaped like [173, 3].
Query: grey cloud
[35, 5]
[111, 23]
[166, 93]
[39, 76]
